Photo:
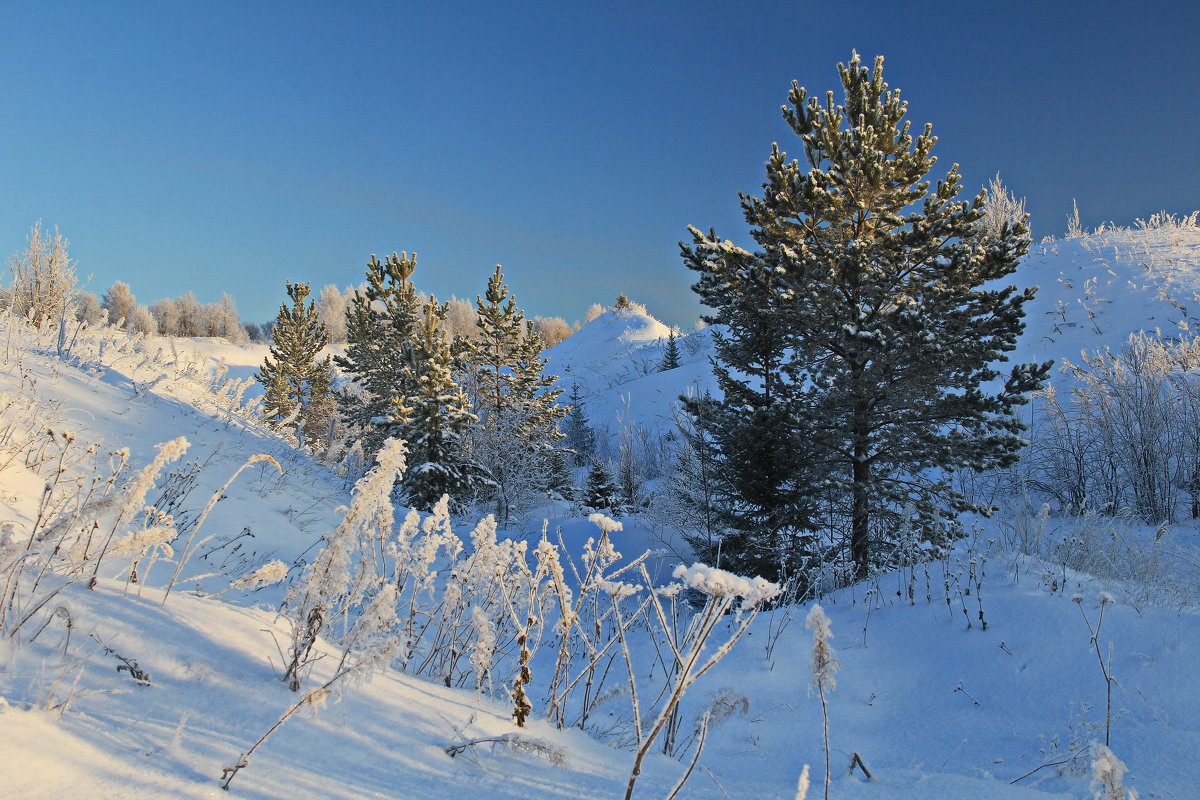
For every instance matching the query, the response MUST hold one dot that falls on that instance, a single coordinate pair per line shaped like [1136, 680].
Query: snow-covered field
[121, 692]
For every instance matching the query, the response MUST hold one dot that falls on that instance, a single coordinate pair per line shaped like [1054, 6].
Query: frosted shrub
[721, 590]
[1001, 208]
[1108, 774]
[1127, 436]
[345, 570]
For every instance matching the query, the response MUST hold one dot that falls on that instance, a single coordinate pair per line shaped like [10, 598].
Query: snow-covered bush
[1128, 435]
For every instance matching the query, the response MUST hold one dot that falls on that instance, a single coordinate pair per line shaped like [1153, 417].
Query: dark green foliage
[579, 438]
[381, 329]
[671, 356]
[600, 492]
[861, 334]
[438, 423]
[297, 385]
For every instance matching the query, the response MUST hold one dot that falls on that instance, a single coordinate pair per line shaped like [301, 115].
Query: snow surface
[936, 706]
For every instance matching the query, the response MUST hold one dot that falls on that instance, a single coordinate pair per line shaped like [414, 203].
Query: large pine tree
[881, 319]
[297, 384]
[381, 330]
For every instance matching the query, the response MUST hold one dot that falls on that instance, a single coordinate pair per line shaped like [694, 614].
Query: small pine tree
[297, 384]
[381, 333]
[517, 432]
[622, 303]
[579, 438]
[437, 426]
[671, 356]
[600, 492]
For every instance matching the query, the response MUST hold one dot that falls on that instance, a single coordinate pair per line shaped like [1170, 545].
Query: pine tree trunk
[860, 524]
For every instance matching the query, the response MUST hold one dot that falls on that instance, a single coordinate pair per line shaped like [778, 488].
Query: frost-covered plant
[722, 590]
[371, 643]
[187, 550]
[1108, 775]
[135, 496]
[1000, 208]
[823, 666]
[1103, 600]
[345, 570]
[802, 784]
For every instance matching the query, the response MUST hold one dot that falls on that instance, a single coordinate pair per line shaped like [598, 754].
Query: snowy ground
[936, 706]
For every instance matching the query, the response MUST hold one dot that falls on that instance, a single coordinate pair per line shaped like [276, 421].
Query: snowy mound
[615, 335]
[616, 361]
[1095, 290]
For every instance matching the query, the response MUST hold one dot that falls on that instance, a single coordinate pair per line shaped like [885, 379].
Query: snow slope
[1095, 290]
[938, 707]
[615, 361]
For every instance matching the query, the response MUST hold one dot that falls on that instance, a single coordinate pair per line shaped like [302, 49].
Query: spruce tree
[766, 466]
[438, 424]
[600, 492]
[381, 332]
[695, 494]
[671, 356]
[297, 384]
[578, 436]
[886, 309]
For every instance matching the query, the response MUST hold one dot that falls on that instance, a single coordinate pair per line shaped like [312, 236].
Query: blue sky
[234, 146]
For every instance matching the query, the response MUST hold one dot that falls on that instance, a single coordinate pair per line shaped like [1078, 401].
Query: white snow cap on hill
[615, 333]
[616, 359]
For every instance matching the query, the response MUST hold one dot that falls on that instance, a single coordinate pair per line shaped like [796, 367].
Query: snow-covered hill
[939, 705]
[1095, 290]
[616, 361]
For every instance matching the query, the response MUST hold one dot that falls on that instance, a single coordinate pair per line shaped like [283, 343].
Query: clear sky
[232, 146]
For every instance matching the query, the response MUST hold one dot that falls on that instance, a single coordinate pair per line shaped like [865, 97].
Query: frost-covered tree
[296, 382]
[331, 306]
[87, 307]
[887, 310]
[191, 316]
[551, 330]
[143, 322]
[437, 427]
[221, 319]
[515, 400]
[460, 319]
[166, 316]
[120, 303]
[381, 327]
[43, 277]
